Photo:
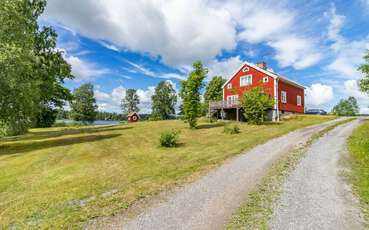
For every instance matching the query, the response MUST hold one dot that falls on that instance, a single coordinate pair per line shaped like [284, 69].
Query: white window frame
[298, 100]
[248, 82]
[265, 79]
[232, 99]
[283, 96]
[245, 69]
[229, 86]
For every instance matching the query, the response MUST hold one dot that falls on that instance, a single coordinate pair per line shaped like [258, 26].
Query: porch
[230, 110]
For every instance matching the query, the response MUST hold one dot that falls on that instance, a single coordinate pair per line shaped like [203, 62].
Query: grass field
[62, 177]
[358, 145]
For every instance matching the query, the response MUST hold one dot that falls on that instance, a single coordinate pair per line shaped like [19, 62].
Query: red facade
[292, 91]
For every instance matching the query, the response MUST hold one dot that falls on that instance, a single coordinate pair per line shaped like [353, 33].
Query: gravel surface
[209, 202]
[315, 195]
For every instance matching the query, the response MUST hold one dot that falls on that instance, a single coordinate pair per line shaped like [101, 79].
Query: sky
[121, 44]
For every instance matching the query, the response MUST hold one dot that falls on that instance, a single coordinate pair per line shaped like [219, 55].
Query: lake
[99, 122]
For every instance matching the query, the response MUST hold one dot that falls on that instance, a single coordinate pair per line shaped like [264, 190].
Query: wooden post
[209, 113]
[237, 114]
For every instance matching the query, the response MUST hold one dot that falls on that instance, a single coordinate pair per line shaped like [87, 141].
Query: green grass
[62, 177]
[358, 145]
[258, 208]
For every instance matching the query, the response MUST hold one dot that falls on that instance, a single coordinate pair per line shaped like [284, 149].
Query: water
[100, 122]
[105, 122]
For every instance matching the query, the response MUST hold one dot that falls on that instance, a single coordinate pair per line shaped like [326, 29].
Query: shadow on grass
[40, 135]
[210, 125]
[19, 148]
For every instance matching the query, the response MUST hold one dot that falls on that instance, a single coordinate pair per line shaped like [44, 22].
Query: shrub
[255, 104]
[232, 130]
[169, 139]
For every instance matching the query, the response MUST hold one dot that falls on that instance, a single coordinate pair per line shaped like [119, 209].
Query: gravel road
[209, 202]
[315, 195]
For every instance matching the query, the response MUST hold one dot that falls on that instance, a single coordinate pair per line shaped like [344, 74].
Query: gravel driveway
[315, 195]
[209, 202]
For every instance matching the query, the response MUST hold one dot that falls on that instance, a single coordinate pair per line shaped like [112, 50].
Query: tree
[163, 101]
[19, 91]
[364, 68]
[130, 102]
[348, 107]
[214, 90]
[83, 106]
[31, 69]
[255, 104]
[190, 93]
[52, 70]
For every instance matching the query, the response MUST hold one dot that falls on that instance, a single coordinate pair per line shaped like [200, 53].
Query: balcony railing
[224, 104]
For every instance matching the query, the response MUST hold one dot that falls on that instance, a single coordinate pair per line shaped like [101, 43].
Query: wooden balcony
[224, 104]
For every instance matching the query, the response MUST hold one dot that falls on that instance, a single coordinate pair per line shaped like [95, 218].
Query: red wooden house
[133, 117]
[288, 95]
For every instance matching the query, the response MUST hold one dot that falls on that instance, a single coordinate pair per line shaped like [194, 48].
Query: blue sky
[118, 45]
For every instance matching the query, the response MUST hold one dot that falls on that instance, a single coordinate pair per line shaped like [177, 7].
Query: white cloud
[141, 69]
[224, 68]
[352, 89]
[348, 54]
[348, 58]
[110, 46]
[83, 70]
[318, 95]
[179, 31]
[274, 23]
[262, 25]
[295, 51]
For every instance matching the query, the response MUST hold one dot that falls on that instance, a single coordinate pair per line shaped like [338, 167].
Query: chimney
[262, 65]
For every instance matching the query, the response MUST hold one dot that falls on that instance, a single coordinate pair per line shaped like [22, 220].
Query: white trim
[269, 73]
[231, 102]
[283, 97]
[298, 100]
[249, 82]
[276, 102]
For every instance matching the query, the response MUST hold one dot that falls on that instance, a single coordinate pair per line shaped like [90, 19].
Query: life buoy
[134, 118]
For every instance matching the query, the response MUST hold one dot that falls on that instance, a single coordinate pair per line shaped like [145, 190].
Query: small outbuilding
[133, 117]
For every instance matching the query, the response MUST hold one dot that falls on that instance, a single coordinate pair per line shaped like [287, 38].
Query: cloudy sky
[120, 44]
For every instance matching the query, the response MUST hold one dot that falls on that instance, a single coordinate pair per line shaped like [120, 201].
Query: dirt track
[315, 195]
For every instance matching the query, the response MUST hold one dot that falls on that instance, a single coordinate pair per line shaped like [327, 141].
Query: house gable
[272, 84]
[248, 77]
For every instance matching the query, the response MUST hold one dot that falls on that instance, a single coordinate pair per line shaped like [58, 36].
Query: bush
[169, 139]
[232, 130]
[255, 104]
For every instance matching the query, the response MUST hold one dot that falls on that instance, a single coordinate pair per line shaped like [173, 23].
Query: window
[231, 100]
[246, 80]
[265, 79]
[245, 69]
[229, 86]
[284, 96]
[298, 99]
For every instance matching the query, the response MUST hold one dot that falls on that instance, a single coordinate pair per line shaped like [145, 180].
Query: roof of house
[133, 113]
[267, 72]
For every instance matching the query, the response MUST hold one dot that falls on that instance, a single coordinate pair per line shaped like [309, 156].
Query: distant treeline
[101, 116]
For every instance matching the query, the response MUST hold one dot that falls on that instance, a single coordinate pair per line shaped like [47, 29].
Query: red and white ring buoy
[134, 118]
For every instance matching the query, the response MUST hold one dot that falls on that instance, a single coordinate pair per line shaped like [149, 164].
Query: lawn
[62, 177]
[358, 145]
